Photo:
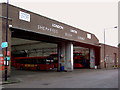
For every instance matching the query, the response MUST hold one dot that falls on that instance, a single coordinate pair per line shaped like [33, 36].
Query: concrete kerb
[10, 81]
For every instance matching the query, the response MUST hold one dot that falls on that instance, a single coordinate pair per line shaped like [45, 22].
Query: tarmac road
[80, 78]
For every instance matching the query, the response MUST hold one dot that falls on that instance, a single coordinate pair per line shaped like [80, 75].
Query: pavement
[80, 78]
[9, 81]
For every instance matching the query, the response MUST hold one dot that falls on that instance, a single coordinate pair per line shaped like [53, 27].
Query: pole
[6, 41]
[104, 51]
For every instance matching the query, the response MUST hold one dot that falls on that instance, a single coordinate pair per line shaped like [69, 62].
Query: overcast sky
[89, 15]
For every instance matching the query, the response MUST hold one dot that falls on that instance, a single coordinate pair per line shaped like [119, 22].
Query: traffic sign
[4, 45]
[8, 58]
[1, 62]
[1, 58]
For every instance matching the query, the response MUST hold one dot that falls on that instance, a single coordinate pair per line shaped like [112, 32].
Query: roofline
[51, 19]
[108, 45]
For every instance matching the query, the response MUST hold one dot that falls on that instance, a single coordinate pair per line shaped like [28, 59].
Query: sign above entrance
[24, 16]
[73, 31]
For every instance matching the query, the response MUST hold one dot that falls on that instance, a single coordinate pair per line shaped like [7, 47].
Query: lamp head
[115, 27]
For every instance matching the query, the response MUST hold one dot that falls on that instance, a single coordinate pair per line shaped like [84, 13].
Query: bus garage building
[30, 32]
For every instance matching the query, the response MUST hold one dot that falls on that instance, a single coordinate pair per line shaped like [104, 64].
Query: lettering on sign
[73, 31]
[44, 28]
[57, 26]
[81, 38]
[68, 34]
[24, 16]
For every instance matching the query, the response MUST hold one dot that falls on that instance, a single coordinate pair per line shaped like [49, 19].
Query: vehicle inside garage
[81, 57]
[24, 48]
[31, 52]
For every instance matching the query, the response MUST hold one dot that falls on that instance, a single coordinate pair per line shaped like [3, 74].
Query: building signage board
[4, 45]
[88, 36]
[24, 16]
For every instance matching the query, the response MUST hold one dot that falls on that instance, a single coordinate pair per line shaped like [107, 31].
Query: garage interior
[85, 57]
[23, 45]
[31, 48]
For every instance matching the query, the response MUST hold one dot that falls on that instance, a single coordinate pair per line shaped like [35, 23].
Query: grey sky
[89, 15]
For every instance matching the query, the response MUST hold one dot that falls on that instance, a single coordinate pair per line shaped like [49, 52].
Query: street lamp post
[6, 41]
[104, 48]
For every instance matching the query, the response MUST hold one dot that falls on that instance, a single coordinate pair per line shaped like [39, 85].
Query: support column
[92, 58]
[59, 54]
[69, 56]
[63, 54]
[97, 57]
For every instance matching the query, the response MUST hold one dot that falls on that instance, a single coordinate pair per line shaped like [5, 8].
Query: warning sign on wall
[8, 53]
[1, 58]
[69, 61]
[2, 68]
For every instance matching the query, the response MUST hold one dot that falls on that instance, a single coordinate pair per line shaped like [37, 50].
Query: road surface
[80, 78]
